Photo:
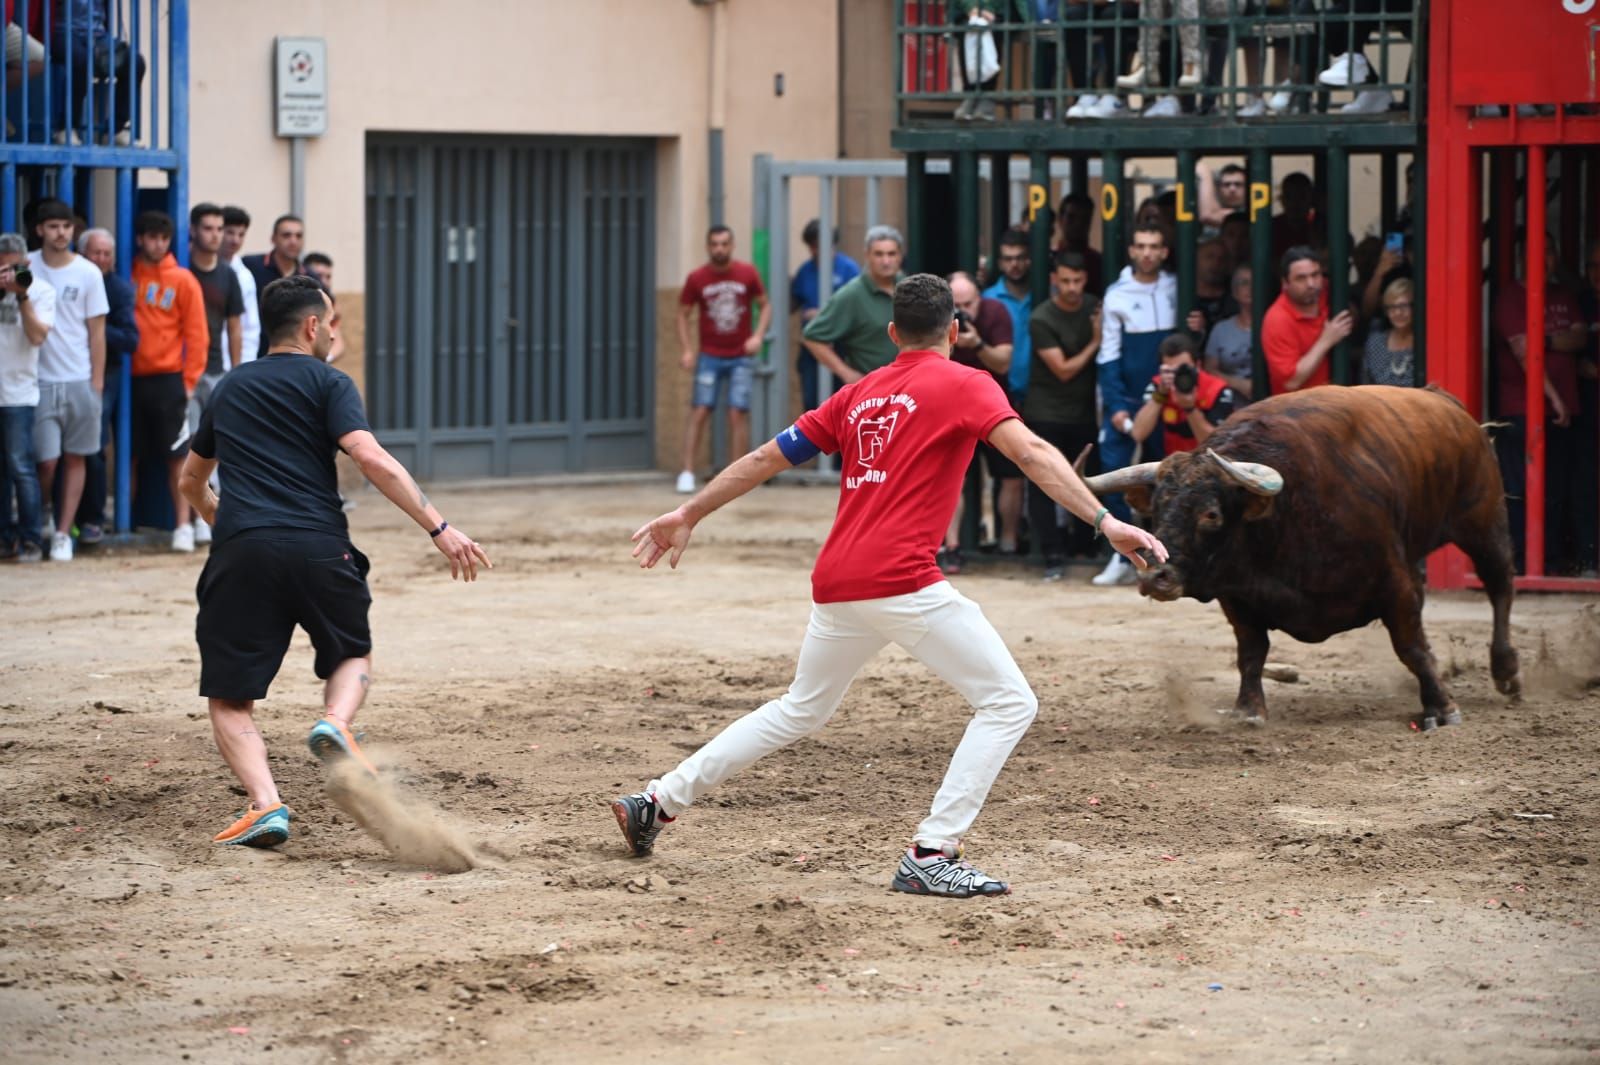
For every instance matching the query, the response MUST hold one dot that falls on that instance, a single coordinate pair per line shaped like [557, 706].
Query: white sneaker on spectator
[1164, 107]
[183, 539]
[686, 482]
[1108, 106]
[1080, 109]
[1253, 107]
[1190, 78]
[1118, 571]
[1349, 69]
[1047, 112]
[202, 531]
[1369, 102]
[1282, 100]
[61, 547]
[985, 110]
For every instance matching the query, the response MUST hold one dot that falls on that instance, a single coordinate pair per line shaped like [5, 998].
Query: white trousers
[943, 630]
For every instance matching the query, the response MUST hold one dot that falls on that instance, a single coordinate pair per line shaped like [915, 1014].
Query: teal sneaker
[258, 828]
[331, 741]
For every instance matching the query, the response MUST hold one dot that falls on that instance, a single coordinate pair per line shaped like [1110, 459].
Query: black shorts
[1000, 467]
[257, 586]
[159, 425]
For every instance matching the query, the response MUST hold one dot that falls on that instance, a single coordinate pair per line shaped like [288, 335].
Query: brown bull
[1312, 513]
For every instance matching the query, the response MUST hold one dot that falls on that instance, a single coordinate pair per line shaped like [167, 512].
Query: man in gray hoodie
[1140, 311]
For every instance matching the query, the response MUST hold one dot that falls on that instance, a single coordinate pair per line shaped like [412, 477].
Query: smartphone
[1395, 242]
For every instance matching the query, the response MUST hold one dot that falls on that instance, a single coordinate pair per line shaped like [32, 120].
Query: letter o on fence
[1108, 202]
[1578, 7]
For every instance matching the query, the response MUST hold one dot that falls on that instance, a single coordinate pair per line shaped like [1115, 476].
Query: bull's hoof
[1253, 720]
[1429, 723]
[1451, 717]
[1510, 687]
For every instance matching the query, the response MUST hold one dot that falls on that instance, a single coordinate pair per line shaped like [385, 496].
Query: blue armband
[795, 445]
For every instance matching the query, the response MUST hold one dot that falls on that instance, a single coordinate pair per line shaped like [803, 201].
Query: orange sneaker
[331, 741]
[258, 828]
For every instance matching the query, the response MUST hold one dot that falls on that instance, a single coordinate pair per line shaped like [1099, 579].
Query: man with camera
[1187, 402]
[984, 342]
[27, 313]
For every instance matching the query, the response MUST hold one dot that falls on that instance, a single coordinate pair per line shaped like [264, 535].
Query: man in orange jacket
[170, 311]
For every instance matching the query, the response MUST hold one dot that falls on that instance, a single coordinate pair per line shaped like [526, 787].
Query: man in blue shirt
[805, 299]
[1015, 290]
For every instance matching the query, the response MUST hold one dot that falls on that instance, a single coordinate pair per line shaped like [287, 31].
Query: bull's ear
[1257, 507]
[1138, 498]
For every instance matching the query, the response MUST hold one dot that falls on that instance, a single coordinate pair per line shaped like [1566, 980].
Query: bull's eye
[1210, 519]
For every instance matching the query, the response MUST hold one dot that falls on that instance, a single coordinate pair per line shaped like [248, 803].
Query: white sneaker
[1108, 106]
[686, 482]
[1080, 109]
[202, 531]
[1369, 102]
[1281, 100]
[1118, 571]
[1254, 107]
[1190, 78]
[183, 539]
[1134, 79]
[1351, 68]
[1164, 107]
[61, 547]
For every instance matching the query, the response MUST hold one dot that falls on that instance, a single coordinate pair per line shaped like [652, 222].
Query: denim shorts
[711, 370]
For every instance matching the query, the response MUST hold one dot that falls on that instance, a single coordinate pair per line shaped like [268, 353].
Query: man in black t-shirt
[282, 554]
[224, 304]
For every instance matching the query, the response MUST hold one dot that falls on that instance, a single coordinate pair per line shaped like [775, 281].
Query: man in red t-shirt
[724, 291]
[1566, 335]
[1297, 333]
[904, 435]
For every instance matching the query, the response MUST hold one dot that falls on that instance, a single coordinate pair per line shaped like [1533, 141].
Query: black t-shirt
[273, 425]
[224, 299]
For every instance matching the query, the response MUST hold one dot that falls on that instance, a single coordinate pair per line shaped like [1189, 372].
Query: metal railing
[100, 73]
[1217, 60]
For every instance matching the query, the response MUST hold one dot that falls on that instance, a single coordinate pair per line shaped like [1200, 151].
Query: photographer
[27, 314]
[1187, 401]
[984, 341]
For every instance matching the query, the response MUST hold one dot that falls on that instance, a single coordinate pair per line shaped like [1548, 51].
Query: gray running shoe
[940, 874]
[641, 820]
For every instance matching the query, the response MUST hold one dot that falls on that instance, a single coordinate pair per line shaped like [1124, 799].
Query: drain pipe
[717, 107]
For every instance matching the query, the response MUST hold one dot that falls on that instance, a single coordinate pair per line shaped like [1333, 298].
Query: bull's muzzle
[1163, 583]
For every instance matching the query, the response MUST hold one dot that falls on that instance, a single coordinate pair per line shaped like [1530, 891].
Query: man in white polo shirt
[72, 369]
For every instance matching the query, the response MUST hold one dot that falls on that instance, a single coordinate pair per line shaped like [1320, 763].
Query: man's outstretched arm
[391, 478]
[670, 532]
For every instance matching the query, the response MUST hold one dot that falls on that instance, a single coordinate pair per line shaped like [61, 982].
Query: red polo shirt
[1286, 336]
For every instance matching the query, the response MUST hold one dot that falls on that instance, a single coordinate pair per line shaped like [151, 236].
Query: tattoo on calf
[366, 681]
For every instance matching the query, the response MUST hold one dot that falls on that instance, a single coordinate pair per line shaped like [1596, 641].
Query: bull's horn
[1262, 480]
[1127, 477]
[1082, 460]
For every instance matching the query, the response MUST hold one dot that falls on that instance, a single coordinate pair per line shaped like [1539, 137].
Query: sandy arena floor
[1334, 887]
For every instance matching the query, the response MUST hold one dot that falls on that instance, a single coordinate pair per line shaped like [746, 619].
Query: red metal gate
[1488, 62]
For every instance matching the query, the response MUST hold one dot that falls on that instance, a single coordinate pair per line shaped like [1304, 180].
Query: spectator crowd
[1122, 366]
[71, 328]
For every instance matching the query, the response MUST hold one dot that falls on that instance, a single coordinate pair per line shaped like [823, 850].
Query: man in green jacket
[850, 336]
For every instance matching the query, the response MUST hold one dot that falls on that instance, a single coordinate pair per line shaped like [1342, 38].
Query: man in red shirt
[1566, 336]
[1297, 333]
[904, 434]
[724, 290]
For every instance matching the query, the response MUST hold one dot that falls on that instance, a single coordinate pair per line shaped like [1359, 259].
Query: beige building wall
[515, 67]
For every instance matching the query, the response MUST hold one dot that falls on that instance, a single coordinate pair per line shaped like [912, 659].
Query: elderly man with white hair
[850, 335]
[122, 336]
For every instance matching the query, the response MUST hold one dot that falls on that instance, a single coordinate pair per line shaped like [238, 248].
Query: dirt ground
[1333, 887]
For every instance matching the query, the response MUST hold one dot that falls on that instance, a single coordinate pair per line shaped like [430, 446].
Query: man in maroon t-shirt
[723, 290]
[904, 435]
[986, 342]
[1566, 335]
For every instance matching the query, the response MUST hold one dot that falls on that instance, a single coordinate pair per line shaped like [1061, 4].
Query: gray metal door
[510, 303]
